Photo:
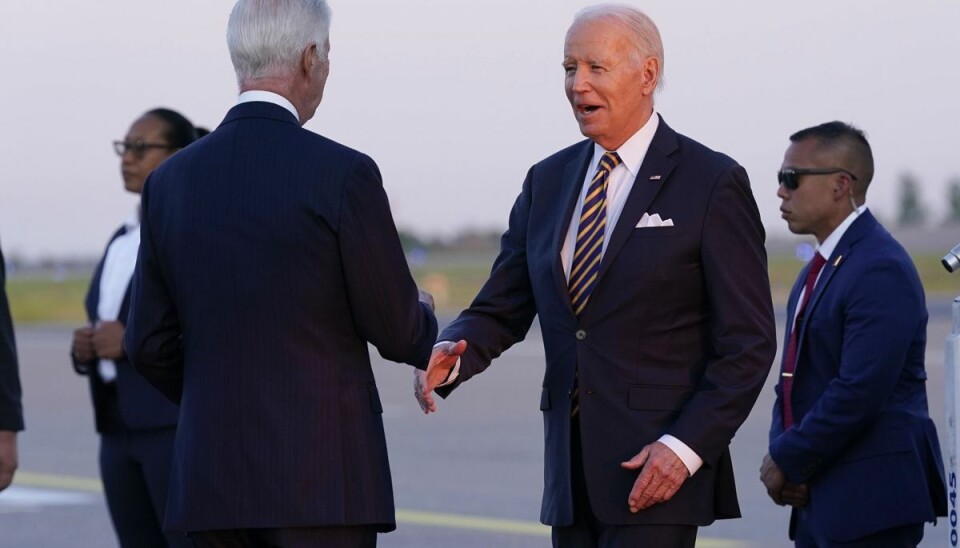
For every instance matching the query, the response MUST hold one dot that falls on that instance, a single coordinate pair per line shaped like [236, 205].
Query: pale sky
[456, 99]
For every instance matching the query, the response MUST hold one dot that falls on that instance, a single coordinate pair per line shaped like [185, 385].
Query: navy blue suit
[677, 338]
[862, 438]
[11, 411]
[268, 261]
[136, 424]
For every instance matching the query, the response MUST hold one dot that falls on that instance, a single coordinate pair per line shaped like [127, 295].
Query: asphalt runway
[468, 476]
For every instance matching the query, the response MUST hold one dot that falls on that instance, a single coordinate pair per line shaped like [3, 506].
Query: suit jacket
[862, 438]
[677, 338]
[268, 260]
[11, 411]
[140, 405]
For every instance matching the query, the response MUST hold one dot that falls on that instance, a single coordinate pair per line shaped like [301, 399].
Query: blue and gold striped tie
[589, 249]
[593, 224]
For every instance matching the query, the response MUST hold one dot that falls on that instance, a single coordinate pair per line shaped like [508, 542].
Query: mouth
[586, 110]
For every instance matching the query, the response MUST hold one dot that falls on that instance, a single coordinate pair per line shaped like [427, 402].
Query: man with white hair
[268, 261]
[641, 252]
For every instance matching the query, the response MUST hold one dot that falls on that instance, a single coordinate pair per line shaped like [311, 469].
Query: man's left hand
[662, 473]
[108, 340]
[773, 479]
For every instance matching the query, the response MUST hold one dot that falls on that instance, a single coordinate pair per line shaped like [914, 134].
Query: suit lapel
[657, 163]
[844, 248]
[569, 191]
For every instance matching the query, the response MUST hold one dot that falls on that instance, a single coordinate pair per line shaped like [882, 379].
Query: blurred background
[477, 87]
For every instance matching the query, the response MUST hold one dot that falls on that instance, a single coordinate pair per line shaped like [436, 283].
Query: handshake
[440, 369]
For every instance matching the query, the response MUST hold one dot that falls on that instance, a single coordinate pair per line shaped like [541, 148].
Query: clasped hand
[442, 360]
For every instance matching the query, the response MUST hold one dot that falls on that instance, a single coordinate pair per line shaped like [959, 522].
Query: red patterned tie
[790, 359]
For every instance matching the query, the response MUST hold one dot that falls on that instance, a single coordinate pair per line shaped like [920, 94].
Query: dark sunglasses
[138, 148]
[790, 176]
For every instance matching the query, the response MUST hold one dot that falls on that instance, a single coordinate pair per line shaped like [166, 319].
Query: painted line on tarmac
[409, 517]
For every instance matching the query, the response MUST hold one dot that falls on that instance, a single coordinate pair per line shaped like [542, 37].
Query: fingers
[661, 477]
[455, 349]
[424, 399]
[637, 461]
[795, 495]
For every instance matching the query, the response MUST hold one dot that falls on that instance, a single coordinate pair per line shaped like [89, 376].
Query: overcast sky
[455, 99]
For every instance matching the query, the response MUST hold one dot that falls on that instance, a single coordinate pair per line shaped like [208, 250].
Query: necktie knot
[609, 162]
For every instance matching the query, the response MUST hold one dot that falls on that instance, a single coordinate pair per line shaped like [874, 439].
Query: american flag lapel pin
[654, 177]
[836, 262]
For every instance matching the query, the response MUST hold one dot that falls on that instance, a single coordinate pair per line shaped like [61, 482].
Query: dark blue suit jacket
[141, 406]
[678, 336]
[11, 410]
[862, 439]
[268, 261]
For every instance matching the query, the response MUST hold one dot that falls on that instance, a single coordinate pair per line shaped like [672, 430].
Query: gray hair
[267, 37]
[646, 36]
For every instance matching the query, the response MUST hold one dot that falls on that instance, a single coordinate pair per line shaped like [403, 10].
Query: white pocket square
[653, 221]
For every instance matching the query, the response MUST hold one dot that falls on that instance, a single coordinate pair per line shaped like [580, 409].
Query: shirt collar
[635, 148]
[268, 97]
[830, 244]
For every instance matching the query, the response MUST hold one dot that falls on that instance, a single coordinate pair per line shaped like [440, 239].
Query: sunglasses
[790, 176]
[138, 148]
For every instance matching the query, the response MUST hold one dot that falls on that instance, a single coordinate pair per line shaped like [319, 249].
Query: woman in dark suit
[136, 423]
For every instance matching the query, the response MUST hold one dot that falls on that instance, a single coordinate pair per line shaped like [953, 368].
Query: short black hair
[849, 140]
[180, 131]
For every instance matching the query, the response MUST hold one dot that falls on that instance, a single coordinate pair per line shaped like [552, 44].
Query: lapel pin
[655, 178]
[836, 262]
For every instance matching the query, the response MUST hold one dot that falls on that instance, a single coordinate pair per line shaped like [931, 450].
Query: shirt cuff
[454, 372]
[691, 460]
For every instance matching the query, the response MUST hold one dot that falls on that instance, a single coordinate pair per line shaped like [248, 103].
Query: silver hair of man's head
[267, 37]
[646, 36]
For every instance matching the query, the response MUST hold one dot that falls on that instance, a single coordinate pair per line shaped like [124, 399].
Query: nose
[782, 191]
[580, 81]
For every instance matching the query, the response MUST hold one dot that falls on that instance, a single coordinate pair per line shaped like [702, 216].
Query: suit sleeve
[11, 410]
[383, 295]
[503, 310]
[881, 315]
[741, 329]
[152, 339]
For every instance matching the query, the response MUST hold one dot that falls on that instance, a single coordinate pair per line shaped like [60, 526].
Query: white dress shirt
[115, 277]
[268, 97]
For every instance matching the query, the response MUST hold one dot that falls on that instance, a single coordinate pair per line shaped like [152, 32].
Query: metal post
[952, 378]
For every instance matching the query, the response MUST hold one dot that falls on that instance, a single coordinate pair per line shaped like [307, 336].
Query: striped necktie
[589, 247]
[589, 250]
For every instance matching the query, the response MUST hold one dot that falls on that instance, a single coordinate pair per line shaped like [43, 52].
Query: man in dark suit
[268, 261]
[641, 252]
[852, 447]
[11, 412]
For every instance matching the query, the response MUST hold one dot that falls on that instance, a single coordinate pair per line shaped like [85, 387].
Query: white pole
[951, 364]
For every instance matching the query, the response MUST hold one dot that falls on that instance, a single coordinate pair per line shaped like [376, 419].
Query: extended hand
[8, 457]
[444, 357]
[82, 348]
[661, 476]
[773, 479]
[108, 340]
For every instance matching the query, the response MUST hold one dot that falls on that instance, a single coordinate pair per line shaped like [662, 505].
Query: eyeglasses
[790, 176]
[138, 147]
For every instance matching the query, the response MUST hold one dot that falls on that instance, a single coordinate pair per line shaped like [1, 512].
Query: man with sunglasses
[852, 447]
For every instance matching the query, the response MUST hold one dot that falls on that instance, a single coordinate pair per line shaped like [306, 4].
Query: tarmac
[468, 476]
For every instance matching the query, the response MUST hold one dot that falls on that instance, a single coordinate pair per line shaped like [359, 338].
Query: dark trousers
[135, 468]
[588, 532]
[306, 537]
[907, 536]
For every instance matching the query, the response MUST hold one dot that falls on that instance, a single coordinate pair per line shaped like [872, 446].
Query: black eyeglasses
[138, 147]
[790, 176]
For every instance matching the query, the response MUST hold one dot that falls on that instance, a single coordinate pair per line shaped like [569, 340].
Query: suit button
[580, 334]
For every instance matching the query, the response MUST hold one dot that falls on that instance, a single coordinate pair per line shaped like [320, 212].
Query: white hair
[267, 37]
[646, 36]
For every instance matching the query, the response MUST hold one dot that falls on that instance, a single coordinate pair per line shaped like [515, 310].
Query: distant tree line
[913, 212]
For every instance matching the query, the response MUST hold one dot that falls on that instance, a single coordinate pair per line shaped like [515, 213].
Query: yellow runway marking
[408, 517]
